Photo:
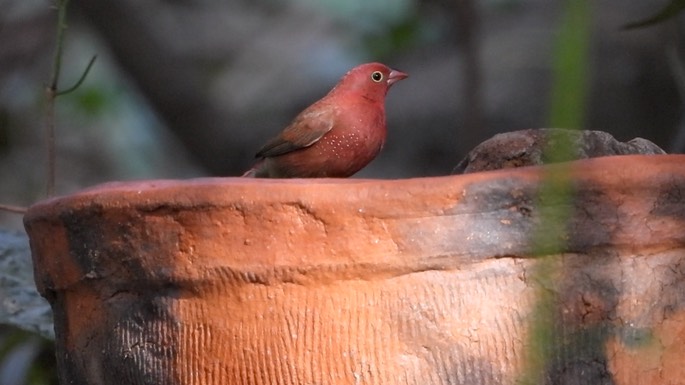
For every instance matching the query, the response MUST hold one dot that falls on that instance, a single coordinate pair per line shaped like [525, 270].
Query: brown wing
[307, 128]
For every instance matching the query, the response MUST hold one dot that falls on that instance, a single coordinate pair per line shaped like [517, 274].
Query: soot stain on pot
[140, 336]
[511, 194]
[103, 244]
[144, 338]
[493, 218]
[594, 219]
[669, 201]
[504, 217]
[83, 230]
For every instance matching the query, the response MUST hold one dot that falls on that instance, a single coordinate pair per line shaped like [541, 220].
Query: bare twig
[671, 10]
[13, 209]
[52, 92]
[80, 80]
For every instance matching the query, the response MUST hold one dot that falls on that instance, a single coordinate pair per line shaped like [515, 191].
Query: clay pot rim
[222, 191]
[627, 203]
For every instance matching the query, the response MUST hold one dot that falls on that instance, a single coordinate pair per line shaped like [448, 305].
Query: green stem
[570, 66]
[555, 201]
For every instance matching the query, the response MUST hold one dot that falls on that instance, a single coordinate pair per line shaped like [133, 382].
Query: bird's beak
[395, 76]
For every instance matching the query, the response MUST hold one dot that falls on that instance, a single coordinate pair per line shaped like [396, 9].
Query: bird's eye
[377, 76]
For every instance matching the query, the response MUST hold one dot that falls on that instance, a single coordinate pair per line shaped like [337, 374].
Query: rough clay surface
[420, 281]
[527, 148]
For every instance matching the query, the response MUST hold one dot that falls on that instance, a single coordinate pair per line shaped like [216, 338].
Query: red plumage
[336, 136]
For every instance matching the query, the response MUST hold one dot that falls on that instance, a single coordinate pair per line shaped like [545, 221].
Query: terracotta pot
[420, 281]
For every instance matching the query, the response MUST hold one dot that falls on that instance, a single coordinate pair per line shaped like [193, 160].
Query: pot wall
[420, 281]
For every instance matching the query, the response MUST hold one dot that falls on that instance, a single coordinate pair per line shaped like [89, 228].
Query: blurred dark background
[190, 88]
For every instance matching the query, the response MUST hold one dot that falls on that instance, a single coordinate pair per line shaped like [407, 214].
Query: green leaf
[669, 11]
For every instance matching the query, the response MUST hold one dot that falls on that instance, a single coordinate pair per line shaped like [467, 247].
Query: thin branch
[50, 135]
[51, 94]
[671, 10]
[61, 28]
[80, 80]
[13, 209]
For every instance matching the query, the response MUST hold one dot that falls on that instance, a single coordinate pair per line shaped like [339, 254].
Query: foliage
[671, 10]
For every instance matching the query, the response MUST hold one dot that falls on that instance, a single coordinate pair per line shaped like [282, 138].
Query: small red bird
[336, 136]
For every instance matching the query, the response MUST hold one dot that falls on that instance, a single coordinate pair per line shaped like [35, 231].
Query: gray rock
[20, 304]
[529, 148]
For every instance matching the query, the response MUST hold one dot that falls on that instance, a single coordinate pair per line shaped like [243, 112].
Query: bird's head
[370, 80]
